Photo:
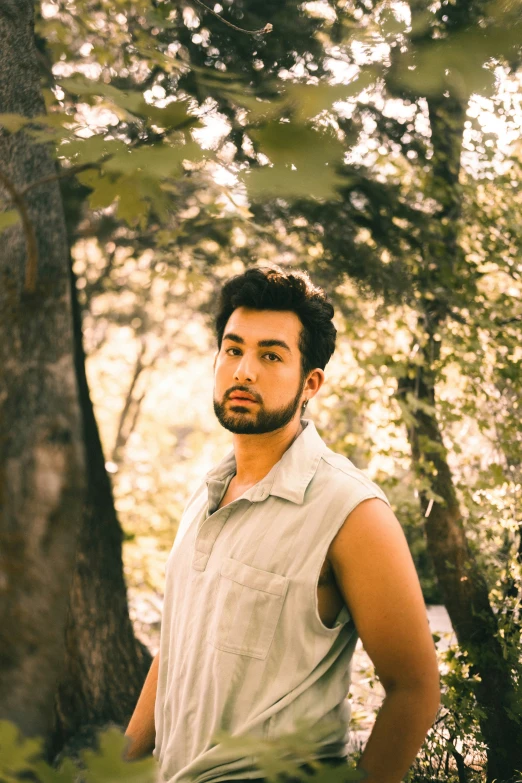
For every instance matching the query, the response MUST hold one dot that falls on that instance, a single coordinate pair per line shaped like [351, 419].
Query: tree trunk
[49, 453]
[462, 585]
[105, 665]
[42, 475]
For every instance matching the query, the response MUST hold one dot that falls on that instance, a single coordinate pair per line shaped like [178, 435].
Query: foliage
[324, 160]
[275, 757]
[20, 757]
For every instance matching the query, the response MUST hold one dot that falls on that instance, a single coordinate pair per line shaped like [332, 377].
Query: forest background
[148, 151]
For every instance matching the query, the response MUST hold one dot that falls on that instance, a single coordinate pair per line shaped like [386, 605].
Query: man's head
[275, 336]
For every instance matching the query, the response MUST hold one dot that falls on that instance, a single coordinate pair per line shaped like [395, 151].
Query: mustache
[242, 389]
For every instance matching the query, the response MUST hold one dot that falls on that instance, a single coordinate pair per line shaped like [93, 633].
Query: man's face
[258, 379]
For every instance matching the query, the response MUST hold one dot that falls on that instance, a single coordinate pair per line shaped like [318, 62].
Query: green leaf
[155, 56]
[135, 193]
[91, 149]
[309, 100]
[153, 191]
[340, 774]
[108, 765]
[301, 101]
[212, 75]
[304, 162]
[13, 122]
[290, 143]
[175, 115]
[16, 752]
[9, 218]
[158, 161]
[66, 773]
[129, 100]
[258, 109]
[105, 188]
[42, 128]
[43, 135]
[457, 63]
[55, 119]
[133, 206]
[285, 754]
[281, 181]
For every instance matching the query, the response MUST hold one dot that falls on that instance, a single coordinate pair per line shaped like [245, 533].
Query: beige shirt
[243, 649]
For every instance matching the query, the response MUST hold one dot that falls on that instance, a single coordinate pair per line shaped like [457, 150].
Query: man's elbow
[427, 690]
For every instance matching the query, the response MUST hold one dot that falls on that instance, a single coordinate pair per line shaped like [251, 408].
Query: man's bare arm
[141, 729]
[377, 578]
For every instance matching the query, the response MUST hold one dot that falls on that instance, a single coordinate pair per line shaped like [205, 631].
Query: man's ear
[314, 382]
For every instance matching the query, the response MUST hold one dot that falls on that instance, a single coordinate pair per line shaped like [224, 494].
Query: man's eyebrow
[262, 343]
[274, 344]
[234, 337]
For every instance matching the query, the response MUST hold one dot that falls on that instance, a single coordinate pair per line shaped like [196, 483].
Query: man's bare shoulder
[376, 576]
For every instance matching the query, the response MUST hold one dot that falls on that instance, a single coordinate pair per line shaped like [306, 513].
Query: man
[285, 555]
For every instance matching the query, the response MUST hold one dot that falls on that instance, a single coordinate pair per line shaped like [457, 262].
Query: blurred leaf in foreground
[16, 752]
[303, 162]
[108, 764]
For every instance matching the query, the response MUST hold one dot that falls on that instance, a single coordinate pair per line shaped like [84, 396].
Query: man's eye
[272, 357]
[232, 349]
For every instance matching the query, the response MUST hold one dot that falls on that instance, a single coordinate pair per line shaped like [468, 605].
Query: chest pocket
[247, 609]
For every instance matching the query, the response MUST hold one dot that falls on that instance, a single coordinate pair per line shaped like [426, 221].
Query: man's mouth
[242, 397]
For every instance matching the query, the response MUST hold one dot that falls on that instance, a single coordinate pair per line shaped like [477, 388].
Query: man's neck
[257, 454]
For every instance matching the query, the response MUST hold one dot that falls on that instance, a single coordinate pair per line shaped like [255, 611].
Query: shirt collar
[288, 478]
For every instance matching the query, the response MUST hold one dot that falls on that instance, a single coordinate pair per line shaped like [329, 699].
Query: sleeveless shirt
[242, 648]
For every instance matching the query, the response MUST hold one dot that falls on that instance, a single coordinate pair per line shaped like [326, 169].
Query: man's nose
[245, 370]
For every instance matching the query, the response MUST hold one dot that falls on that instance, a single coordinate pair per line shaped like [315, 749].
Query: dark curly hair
[262, 288]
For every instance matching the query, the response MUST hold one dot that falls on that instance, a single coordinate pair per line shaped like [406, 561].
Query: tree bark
[463, 586]
[105, 665]
[68, 655]
[42, 476]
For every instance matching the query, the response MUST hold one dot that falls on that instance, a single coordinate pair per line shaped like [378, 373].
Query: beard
[242, 421]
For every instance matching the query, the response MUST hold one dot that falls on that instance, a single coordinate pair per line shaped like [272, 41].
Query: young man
[285, 555]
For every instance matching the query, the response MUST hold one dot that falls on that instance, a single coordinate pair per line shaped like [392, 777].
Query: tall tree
[59, 530]
[42, 464]
[448, 275]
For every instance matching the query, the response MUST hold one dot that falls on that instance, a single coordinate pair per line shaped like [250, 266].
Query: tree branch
[121, 439]
[266, 29]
